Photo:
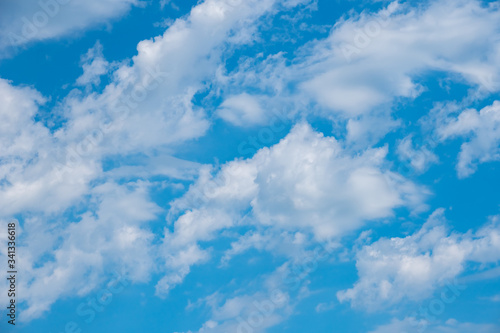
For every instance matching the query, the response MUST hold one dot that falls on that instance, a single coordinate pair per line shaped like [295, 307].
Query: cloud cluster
[369, 60]
[63, 258]
[307, 183]
[481, 128]
[412, 268]
[147, 107]
[373, 60]
[308, 188]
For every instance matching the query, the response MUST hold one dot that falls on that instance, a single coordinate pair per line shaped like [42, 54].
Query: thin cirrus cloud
[27, 22]
[450, 326]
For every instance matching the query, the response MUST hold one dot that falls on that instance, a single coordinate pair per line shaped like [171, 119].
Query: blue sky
[251, 166]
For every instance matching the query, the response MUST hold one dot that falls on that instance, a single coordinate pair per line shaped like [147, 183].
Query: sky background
[251, 166]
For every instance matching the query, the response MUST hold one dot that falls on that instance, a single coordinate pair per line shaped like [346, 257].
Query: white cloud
[306, 187]
[252, 312]
[451, 326]
[30, 21]
[308, 181]
[398, 43]
[149, 103]
[94, 65]
[30, 180]
[286, 244]
[146, 109]
[411, 268]
[482, 128]
[325, 307]
[74, 257]
[305, 183]
[247, 311]
[420, 158]
[242, 110]
[393, 49]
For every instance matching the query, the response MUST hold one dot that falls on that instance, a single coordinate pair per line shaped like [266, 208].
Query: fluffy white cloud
[145, 109]
[62, 259]
[482, 129]
[370, 59]
[149, 104]
[306, 183]
[420, 158]
[94, 65]
[411, 268]
[242, 110]
[309, 181]
[308, 187]
[30, 178]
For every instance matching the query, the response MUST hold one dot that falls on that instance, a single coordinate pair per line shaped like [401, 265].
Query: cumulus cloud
[68, 258]
[30, 177]
[305, 183]
[481, 128]
[94, 65]
[372, 60]
[146, 108]
[149, 103]
[307, 188]
[411, 268]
